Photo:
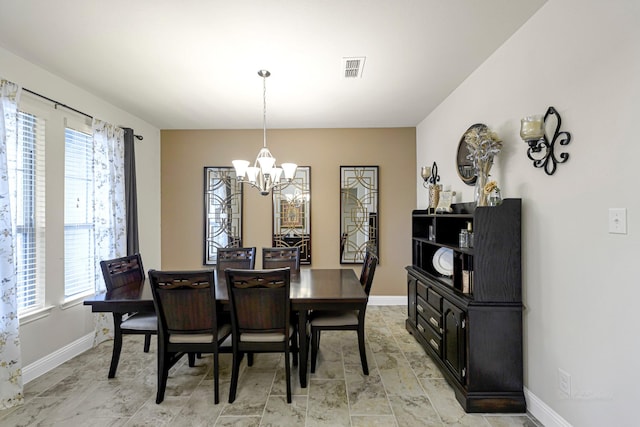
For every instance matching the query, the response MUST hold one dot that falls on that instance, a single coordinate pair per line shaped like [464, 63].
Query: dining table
[312, 289]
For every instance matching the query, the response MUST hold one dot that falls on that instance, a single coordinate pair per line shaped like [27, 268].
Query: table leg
[117, 344]
[304, 347]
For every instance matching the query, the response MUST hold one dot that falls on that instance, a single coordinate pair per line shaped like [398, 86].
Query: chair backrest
[368, 271]
[282, 257]
[239, 258]
[185, 301]
[259, 299]
[122, 271]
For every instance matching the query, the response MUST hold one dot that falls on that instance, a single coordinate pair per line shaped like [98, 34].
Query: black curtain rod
[60, 104]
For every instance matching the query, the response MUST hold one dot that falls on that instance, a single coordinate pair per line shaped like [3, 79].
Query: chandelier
[264, 174]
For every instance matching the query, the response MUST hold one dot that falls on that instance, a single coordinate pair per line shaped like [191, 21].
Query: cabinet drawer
[429, 314]
[422, 290]
[432, 337]
[434, 299]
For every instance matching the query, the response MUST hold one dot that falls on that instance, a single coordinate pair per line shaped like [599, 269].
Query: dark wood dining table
[314, 289]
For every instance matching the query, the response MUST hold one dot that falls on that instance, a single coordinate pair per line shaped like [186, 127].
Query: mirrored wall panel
[292, 214]
[222, 211]
[358, 212]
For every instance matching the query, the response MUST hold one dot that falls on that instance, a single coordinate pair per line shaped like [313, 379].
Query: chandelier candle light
[264, 174]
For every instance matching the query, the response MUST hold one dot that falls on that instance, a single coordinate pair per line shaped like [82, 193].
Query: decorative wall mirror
[464, 166]
[359, 211]
[292, 214]
[222, 211]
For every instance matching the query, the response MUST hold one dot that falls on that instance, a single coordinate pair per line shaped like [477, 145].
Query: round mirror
[464, 166]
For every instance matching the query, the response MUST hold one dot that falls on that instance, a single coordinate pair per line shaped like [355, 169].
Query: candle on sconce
[426, 172]
[532, 128]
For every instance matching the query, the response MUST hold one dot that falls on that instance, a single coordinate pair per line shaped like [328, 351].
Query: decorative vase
[495, 198]
[434, 195]
[481, 181]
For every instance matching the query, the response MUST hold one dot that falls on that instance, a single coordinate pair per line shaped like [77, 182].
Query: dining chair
[282, 257]
[118, 273]
[239, 258]
[351, 320]
[189, 321]
[260, 317]
[244, 258]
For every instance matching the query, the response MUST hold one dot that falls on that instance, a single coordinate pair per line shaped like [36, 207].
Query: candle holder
[542, 151]
[431, 178]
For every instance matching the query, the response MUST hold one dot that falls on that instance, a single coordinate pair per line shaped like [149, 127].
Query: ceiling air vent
[352, 67]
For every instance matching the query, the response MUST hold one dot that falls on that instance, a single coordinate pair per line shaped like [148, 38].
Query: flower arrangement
[483, 145]
[490, 186]
[492, 193]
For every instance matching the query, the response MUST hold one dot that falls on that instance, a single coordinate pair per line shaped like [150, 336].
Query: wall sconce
[431, 178]
[541, 151]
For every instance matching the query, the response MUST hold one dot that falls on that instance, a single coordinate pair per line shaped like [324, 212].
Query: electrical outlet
[618, 220]
[564, 382]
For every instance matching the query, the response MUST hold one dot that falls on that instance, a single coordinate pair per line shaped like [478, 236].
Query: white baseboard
[387, 300]
[543, 413]
[57, 358]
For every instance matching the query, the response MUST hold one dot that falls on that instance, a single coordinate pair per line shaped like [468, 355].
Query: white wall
[580, 282]
[61, 328]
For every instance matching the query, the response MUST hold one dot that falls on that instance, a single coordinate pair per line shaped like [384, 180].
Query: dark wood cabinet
[454, 346]
[411, 287]
[469, 316]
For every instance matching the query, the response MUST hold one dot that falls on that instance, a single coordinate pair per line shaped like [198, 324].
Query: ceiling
[192, 64]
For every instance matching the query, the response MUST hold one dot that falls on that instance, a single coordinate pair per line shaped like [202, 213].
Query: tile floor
[404, 388]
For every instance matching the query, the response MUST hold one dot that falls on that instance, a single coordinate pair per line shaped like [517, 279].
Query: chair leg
[235, 370]
[295, 350]
[363, 350]
[216, 385]
[287, 369]
[192, 359]
[147, 342]
[249, 359]
[117, 344]
[315, 340]
[163, 373]
[295, 339]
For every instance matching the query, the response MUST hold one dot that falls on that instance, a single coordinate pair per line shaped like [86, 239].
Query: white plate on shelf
[443, 261]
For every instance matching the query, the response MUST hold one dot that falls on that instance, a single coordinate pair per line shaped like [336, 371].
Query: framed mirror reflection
[222, 211]
[359, 210]
[292, 214]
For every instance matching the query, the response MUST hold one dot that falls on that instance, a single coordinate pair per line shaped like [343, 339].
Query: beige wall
[185, 153]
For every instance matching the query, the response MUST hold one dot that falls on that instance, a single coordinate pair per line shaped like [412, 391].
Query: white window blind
[26, 165]
[79, 265]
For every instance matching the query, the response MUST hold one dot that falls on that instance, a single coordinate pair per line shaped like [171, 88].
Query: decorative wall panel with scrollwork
[292, 214]
[359, 212]
[222, 211]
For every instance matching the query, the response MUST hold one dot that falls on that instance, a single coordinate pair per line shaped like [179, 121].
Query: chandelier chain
[264, 111]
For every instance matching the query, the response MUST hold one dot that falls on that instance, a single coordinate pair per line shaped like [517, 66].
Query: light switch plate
[618, 220]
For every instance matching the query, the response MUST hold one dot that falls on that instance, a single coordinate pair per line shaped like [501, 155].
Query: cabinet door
[411, 296]
[454, 339]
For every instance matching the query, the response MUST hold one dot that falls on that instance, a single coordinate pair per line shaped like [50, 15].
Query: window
[26, 164]
[79, 264]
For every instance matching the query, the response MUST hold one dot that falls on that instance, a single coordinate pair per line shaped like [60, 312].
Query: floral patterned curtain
[10, 362]
[110, 208]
